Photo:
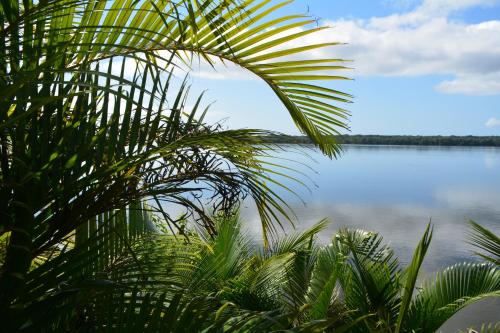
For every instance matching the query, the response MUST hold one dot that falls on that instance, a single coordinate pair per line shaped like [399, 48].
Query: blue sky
[426, 67]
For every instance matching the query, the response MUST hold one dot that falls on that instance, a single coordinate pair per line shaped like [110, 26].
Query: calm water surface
[397, 190]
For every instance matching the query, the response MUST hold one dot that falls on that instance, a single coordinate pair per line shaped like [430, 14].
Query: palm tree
[357, 281]
[161, 281]
[90, 123]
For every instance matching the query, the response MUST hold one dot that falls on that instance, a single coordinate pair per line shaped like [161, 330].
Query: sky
[428, 67]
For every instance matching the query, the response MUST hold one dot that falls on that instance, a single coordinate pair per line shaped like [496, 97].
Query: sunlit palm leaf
[93, 30]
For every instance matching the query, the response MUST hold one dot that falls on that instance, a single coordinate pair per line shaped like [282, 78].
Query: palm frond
[323, 295]
[371, 282]
[87, 119]
[89, 31]
[451, 290]
[224, 258]
[486, 241]
[296, 241]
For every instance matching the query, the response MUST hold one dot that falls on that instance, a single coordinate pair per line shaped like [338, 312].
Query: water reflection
[396, 190]
[401, 225]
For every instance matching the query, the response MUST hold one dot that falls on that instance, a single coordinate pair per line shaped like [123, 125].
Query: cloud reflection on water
[400, 225]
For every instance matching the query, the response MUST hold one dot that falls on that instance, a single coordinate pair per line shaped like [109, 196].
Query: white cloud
[223, 73]
[472, 85]
[425, 41]
[220, 70]
[436, 46]
[422, 42]
[429, 9]
[493, 122]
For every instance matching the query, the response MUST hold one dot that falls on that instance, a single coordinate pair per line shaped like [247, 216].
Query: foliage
[91, 120]
[169, 283]
[486, 241]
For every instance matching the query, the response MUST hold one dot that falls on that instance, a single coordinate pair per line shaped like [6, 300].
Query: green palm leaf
[323, 295]
[412, 275]
[371, 282]
[486, 241]
[453, 289]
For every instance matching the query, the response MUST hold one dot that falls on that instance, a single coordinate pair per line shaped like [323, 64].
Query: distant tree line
[418, 140]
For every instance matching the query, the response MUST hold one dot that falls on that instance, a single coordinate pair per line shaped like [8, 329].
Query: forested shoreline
[416, 140]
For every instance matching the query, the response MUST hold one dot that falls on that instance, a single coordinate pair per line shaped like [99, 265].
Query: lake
[397, 190]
